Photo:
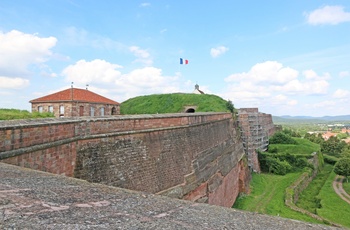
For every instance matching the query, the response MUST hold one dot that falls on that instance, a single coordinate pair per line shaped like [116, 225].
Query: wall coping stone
[24, 123]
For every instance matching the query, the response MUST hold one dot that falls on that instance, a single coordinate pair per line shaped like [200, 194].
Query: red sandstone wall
[175, 155]
[161, 159]
[26, 133]
[226, 194]
[58, 160]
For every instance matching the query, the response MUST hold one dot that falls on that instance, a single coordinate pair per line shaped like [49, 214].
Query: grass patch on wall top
[173, 103]
[11, 114]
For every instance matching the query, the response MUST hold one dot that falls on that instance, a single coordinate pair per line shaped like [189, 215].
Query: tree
[282, 138]
[229, 106]
[342, 167]
[333, 146]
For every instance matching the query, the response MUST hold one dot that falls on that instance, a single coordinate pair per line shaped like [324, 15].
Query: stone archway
[190, 110]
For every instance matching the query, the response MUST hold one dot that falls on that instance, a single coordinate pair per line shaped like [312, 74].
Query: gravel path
[338, 188]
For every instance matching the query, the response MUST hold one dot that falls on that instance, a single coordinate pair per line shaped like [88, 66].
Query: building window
[81, 111]
[114, 111]
[61, 110]
[102, 111]
[40, 109]
[92, 111]
[50, 109]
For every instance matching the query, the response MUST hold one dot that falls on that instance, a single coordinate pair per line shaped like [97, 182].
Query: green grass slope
[173, 103]
[11, 114]
[303, 147]
[267, 196]
[333, 207]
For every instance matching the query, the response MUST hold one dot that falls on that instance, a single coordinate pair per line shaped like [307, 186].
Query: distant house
[345, 130]
[328, 134]
[75, 102]
[196, 90]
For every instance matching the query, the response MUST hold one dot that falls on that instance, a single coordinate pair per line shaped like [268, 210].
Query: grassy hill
[173, 103]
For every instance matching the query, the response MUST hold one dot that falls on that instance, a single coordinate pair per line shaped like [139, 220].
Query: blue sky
[284, 57]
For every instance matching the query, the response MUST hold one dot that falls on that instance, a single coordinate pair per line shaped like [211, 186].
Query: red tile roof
[74, 94]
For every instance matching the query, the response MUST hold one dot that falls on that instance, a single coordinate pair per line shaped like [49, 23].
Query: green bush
[282, 138]
[342, 167]
[283, 163]
[301, 163]
[330, 159]
[273, 150]
[333, 146]
[278, 167]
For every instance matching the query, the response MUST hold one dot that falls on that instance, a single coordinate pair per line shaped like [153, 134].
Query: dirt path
[338, 188]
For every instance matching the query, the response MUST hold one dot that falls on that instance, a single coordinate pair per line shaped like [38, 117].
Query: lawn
[173, 103]
[267, 196]
[10, 114]
[308, 198]
[333, 207]
[346, 186]
[303, 147]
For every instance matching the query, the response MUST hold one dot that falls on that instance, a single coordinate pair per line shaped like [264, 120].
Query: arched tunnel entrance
[190, 110]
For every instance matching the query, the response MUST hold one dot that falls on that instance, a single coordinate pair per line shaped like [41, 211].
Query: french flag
[183, 61]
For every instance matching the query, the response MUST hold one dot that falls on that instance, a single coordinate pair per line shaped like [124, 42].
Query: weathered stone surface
[214, 182]
[37, 200]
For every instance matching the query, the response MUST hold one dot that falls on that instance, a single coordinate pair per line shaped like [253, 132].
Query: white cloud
[281, 99]
[97, 71]
[147, 79]
[19, 50]
[312, 75]
[80, 37]
[106, 78]
[344, 74]
[276, 78]
[341, 93]
[275, 88]
[13, 83]
[267, 72]
[216, 52]
[145, 4]
[142, 55]
[323, 104]
[332, 15]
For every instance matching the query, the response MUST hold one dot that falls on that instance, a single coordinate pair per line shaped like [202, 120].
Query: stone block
[215, 182]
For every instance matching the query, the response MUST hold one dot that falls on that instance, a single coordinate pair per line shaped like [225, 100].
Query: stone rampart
[256, 128]
[191, 156]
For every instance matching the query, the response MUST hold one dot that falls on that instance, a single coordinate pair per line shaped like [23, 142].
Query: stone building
[75, 102]
[256, 128]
